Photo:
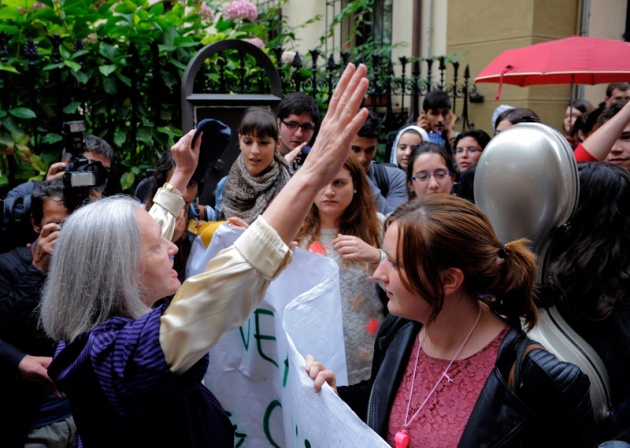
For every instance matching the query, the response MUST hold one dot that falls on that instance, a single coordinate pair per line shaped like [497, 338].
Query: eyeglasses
[293, 125]
[469, 150]
[423, 176]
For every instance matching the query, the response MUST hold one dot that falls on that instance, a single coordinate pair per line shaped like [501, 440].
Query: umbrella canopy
[573, 60]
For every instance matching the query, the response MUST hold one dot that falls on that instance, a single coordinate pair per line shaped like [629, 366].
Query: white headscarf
[425, 138]
[498, 111]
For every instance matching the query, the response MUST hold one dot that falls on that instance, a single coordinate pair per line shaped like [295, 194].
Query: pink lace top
[442, 420]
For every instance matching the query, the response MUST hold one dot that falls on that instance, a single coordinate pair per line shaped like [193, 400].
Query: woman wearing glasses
[430, 169]
[468, 148]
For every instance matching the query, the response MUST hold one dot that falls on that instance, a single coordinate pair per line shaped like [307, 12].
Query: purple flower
[205, 12]
[256, 41]
[240, 9]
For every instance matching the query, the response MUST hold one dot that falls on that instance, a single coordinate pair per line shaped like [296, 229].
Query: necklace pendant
[401, 439]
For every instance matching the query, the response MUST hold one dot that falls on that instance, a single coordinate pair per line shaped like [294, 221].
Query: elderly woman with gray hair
[133, 372]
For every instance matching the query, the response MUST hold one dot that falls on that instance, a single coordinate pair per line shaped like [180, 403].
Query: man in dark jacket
[32, 408]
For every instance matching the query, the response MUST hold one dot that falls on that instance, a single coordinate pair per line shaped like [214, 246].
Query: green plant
[115, 64]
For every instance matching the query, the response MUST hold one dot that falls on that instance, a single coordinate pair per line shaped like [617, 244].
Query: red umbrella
[573, 60]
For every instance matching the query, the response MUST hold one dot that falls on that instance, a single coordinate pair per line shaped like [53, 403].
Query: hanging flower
[240, 9]
[287, 57]
[205, 12]
[256, 41]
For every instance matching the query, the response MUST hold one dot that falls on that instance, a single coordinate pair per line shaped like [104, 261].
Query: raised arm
[341, 123]
[600, 142]
[168, 201]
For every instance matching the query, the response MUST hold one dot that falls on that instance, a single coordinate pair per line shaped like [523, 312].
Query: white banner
[257, 371]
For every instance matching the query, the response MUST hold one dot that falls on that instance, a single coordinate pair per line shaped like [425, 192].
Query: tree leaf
[82, 77]
[120, 137]
[127, 180]
[22, 112]
[51, 138]
[110, 86]
[107, 70]
[75, 66]
[107, 50]
[8, 68]
[53, 66]
[144, 135]
[72, 107]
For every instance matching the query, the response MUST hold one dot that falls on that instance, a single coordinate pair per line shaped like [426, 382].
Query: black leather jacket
[551, 406]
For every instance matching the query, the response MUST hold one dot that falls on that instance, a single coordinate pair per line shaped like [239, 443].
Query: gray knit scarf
[245, 196]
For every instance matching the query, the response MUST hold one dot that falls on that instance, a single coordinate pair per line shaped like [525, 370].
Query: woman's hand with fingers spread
[287, 211]
[340, 125]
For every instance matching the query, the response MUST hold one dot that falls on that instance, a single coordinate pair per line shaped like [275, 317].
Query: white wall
[298, 12]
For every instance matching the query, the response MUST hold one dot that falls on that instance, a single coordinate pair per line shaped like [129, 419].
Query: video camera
[81, 173]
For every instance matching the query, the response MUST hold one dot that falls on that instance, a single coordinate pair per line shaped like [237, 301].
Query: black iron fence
[137, 105]
[396, 87]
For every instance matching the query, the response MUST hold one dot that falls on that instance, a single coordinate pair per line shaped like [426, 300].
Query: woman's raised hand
[340, 125]
[287, 211]
[185, 157]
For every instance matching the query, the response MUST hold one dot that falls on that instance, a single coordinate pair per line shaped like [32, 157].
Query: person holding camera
[35, 412]
[96, 155]
[95, 150]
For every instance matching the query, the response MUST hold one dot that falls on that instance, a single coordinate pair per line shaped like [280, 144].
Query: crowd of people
[104, 339]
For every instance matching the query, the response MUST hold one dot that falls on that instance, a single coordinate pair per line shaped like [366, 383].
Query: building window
[372, 20]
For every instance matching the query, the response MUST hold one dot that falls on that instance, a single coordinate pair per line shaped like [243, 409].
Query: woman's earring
[355, 191]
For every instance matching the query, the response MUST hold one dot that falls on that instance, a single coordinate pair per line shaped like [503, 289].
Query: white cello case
[527, 182]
